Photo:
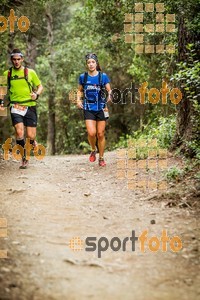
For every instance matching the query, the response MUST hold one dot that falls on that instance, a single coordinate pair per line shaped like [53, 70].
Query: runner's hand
[79, 104]
[109, 98]
[33, 96]
[1, 105]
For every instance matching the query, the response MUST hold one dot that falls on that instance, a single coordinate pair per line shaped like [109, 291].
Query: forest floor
[63, 197]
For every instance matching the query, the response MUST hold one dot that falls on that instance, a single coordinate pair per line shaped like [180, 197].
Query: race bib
[106, 113]
[18, 109]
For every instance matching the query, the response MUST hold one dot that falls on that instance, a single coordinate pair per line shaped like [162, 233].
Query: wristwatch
[37, 96]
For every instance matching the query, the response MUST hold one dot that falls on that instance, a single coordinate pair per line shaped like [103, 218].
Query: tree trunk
[184, 121]
[31, 52]
[51, 87]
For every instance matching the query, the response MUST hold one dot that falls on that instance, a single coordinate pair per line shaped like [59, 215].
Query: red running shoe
[92, 157]
[102, 162]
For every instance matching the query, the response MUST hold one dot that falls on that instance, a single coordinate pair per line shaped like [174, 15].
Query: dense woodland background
[62, 32]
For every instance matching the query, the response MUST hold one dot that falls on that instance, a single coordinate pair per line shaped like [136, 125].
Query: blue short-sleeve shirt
[94, 98]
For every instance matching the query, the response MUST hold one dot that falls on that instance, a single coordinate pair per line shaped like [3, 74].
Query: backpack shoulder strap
[26, 78]
[100, 79]
[26, 73]
[9, 77]
[85, 78]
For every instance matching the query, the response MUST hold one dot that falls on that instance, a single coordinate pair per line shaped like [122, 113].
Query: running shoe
[102, 162]
[92, 157]
[24, 164]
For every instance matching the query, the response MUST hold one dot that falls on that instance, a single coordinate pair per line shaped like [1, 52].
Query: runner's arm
[1, 104]
[4, 83]
[108, 88]
[36, 94]
[1, 101]
[79, 102]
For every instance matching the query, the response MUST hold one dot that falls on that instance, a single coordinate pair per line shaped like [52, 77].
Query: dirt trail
[63, 197]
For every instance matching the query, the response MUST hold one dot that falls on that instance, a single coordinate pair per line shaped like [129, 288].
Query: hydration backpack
[100, 79]
[25, 77]
[100, 83]
[9, 78]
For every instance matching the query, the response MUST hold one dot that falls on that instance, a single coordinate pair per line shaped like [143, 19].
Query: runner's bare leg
[101, 125]
[92, 132]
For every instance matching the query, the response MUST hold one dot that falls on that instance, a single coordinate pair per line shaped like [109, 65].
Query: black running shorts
[29, 120]
[94, 115]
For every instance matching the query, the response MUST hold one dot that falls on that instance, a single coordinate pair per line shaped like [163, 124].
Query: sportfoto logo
[145, 95]
[142, 165]
[23, 22]
[149, 21]
[153, 244]
[18, 151]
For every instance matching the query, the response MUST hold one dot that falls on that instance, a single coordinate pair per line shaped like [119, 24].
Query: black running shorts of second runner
[94, 115]
[29, 120]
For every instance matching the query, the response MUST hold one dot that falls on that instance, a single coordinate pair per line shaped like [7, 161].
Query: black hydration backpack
[86, 78]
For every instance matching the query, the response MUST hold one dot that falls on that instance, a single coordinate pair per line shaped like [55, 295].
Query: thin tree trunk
[31, 52]
[51, 88]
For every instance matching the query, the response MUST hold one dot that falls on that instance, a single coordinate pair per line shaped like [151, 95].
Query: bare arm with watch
[35, 95]
[1, 104]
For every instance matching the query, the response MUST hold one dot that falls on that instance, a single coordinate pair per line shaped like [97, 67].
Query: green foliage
[174, 174]
[83, 26]
[188, 74]
[85, 147]
[162, 129]
[188, 77]
[194, 145]
[197, 176]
